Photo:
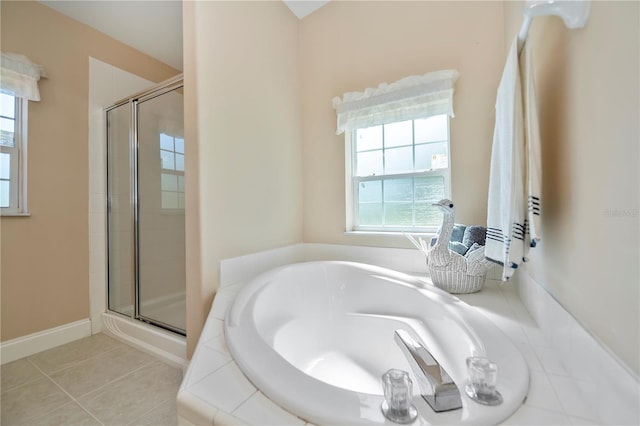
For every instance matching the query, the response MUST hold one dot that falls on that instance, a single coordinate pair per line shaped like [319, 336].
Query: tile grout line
[66, 393]
[212, 372]
[255, 392]
[99, 388]
[100, 353]
[544, 371]
[86, 360]
[147, 412]
[14, 387]
[548, 410]
[93, 390]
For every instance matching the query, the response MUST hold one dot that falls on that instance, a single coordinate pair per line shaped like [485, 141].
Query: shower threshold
[166, 345]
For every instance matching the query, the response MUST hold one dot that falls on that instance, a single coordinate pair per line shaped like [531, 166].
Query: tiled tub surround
[572, 379]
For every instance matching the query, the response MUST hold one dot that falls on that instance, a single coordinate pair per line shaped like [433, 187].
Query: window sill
[394, 234]
[172, 212]
[26, 214]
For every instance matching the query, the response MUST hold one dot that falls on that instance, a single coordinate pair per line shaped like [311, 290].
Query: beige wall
[242, 122]
[589, 102]
[45, 257]
[244, 93]
[349, 46]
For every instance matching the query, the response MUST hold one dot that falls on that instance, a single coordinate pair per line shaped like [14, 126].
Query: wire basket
[456, 282]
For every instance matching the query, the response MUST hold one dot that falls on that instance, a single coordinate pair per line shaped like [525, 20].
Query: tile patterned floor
[92, 381]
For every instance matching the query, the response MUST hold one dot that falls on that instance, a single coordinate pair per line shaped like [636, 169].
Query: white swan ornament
[452, 271]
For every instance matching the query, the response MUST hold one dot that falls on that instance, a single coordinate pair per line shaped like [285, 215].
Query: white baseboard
[24, 346]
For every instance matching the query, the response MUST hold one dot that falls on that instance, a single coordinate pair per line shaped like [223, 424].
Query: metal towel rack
[574, 13]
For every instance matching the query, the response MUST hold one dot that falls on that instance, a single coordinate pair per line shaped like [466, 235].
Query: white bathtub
[316, 337]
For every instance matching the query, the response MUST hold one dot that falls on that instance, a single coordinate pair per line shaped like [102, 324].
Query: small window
[172, 175]
[13, 155]
[398, 170]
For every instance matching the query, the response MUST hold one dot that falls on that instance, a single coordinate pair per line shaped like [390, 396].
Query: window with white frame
[172, 175]
[18, 86]
[13, 154]
[397, 151]
[398, 170]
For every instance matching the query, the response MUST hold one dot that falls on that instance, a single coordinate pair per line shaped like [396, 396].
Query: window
[172, 175]
[397, 171]
[397, 139]
[13, 154]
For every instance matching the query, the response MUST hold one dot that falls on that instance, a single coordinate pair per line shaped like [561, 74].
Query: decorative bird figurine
[450, 270]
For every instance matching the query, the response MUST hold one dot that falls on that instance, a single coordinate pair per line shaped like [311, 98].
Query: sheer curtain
[410, 98]
[19, 76]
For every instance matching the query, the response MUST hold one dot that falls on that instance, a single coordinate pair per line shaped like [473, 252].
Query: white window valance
[19, 76]
[410, 98]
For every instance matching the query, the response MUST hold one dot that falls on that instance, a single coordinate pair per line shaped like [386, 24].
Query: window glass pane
[5, 166]
[431, 156]
[7, 138]
[370, 214]
[169, 200]
[398, 190]
[7, 125]
[429, 188]
[370, 202]
[398, 160]
[180, 162]
[404, 149]
[181, 200]
[369, 163]
[7, 105]
[168, 182]
[180, 145]
[431, 129]
[167, 160]
[428, 215]
[181, 183]
[398, 214]
[166, 142]
[4, 193]
[370, 192]
[369, 138]
[398, 134]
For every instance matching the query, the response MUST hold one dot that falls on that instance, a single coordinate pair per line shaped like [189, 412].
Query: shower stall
[145, 207]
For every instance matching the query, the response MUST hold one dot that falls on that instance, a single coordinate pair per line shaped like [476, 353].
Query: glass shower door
[161, 227]
[120, 220]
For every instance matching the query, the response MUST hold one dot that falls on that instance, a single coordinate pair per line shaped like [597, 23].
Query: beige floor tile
[163, 415]
[97, 371]
[70, 414]
[18, 373]
[67, 355]
[30, 401]
[130, 397]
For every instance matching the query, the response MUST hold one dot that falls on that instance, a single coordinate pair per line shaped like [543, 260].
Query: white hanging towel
[513, 214]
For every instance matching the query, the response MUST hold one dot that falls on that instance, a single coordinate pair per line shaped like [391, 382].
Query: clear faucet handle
[397, 405]
[483, 376]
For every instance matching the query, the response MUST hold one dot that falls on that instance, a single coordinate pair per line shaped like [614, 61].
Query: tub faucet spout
[436, 386]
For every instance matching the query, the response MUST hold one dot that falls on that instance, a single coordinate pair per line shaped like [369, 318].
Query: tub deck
[215, 391]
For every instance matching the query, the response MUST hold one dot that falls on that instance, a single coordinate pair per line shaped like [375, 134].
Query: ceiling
[150, 26]
[302, 8]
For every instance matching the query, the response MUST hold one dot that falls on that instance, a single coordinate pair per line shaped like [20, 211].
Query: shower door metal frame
[133, 101]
